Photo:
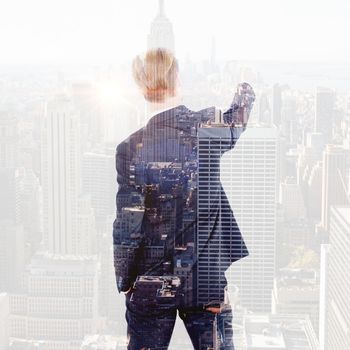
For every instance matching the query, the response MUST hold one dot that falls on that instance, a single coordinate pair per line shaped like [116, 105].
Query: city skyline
[287, 180]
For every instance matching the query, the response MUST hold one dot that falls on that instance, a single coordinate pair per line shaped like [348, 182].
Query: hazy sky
[111, 31]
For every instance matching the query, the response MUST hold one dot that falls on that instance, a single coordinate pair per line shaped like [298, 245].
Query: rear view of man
[175, 234]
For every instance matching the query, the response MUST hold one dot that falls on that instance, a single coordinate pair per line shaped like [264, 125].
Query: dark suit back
[173, 216]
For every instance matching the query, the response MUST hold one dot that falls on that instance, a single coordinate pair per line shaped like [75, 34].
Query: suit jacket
[173, 216]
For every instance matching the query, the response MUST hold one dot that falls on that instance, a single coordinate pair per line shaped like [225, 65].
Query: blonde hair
[156, 74]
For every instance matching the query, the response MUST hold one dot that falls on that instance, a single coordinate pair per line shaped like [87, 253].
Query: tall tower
[212, 143]
[334, 184]
[325, 99]
[60, 305]
[248, 175]
[60, 177]
[338, 283]
[161, 34]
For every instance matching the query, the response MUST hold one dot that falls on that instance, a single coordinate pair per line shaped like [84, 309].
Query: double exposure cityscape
[286, 177]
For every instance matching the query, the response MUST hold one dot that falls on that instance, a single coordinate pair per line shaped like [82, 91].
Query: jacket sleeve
[127, 227]
[237, 116]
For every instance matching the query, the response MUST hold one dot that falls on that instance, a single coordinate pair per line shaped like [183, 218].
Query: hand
[214, 307]
[242, 103]
[215, 310]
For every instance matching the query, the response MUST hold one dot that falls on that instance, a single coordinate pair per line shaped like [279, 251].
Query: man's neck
[153, 108]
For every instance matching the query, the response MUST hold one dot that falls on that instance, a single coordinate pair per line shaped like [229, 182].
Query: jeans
[153, 329]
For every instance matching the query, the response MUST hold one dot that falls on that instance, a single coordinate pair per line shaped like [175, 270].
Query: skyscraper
[324, 111]
[161, 33]
[338, 282]
[249, 178]
[60, 303]
[61, 180]
[334, 184]
[212, 142]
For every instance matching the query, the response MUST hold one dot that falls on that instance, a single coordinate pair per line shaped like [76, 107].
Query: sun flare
[109, 93]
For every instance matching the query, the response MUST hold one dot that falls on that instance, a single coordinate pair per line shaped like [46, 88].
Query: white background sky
[112, 31]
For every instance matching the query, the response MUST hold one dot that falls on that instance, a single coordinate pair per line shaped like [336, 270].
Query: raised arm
[237, 115]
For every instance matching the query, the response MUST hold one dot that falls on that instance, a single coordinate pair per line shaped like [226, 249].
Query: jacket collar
[168, 114]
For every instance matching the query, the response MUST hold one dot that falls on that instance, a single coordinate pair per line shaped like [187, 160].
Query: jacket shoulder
[131, 140]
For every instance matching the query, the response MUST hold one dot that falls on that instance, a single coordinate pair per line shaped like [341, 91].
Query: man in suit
[175, 235]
